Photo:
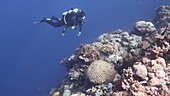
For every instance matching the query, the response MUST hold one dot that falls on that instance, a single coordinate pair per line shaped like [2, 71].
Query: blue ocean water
[30, 54]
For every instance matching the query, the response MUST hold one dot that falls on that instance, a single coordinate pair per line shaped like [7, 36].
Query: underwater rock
[140, 71]
[153, 80]
[100, 71]
[114, 58]
[67, 91]
[161, 61]
[144, 27]
[78, 94]
[155, 66]
[110, 86]
[74, 75]
[105, 38]
[160, 74]
[162, 17]
[120, 43]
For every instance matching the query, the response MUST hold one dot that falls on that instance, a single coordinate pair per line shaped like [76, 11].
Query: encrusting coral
[121, 63]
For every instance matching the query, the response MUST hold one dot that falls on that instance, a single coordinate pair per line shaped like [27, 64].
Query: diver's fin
[36, 22]
[42, 20]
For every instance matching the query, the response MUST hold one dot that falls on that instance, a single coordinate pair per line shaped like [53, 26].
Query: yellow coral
[56, 93]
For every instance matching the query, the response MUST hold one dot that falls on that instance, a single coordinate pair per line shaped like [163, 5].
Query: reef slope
[122, 63]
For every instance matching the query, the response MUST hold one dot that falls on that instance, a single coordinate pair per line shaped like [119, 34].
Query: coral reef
[162, 16]
[88, 53]
[122, 63]
[144, 27]
[100, 71]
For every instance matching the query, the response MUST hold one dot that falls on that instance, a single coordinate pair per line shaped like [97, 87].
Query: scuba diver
[70, 18]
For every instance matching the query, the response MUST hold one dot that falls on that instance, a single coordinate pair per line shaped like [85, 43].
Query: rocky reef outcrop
[122, 63]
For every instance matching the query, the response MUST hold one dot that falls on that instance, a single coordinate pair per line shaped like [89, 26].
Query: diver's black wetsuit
[70, 19]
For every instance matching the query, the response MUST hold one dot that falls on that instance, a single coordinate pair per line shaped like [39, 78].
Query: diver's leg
[42, 20]
[80, 29]
[65, 28]
[55, 18]
[47, 20]
[51, 22]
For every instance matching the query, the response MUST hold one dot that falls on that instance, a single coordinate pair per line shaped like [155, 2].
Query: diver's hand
[79, 34]
[62, 34]
[73, 27]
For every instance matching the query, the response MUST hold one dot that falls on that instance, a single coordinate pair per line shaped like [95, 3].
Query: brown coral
[88, 53]
[107, 49]
[100, 71]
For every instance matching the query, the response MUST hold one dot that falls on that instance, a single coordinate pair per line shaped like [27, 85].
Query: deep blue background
[30, 54]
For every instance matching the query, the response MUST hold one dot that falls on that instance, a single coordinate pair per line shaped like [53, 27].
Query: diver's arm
[65, 28]
[80, 29]
[55, 18]
[81, 23]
